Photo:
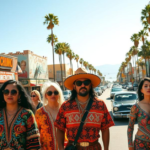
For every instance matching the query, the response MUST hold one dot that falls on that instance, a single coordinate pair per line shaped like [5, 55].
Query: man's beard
[83, 94]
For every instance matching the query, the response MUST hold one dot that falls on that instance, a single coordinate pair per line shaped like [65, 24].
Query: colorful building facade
[8, 65]
[34, 70]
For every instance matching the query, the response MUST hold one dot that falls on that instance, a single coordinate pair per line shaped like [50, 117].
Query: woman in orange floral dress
[46, 115]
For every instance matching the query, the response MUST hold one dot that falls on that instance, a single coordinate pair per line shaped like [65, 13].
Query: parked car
[66, 94]
[98, 91]
[114, 91]
[122, 103]
[129, 87]
[135, 86]
[102, 88]
[124, 86]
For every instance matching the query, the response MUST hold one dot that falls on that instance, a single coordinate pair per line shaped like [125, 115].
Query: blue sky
[98, 31]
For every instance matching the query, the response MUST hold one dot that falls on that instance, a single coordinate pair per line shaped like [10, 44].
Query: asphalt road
[118, 133]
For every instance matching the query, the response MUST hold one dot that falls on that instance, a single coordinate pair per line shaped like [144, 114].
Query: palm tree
[90, 67]
[70, 55]
[49, 39]
[58, 50]
[66, 47]
[145, 53]
[77, 59]
[85, 64]
[135, 38]
[134, 53]
[81, 61]
[51, 20]
[146, 26]
[145, 16]
[141, 64]
[142, 35]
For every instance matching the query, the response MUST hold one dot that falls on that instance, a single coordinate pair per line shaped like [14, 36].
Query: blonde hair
[48, 84]
[37, 93]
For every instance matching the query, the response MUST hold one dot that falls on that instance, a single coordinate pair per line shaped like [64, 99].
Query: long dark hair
[91, 93]
[140, 94]
[25, 100]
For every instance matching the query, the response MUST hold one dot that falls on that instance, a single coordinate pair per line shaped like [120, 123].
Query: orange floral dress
[47, 130]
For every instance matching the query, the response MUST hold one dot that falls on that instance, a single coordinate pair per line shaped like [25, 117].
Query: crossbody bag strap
[82, 121]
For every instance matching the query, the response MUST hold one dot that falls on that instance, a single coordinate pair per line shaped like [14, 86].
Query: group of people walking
[54, 124]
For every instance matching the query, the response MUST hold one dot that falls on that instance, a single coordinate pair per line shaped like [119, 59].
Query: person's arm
[32, 132]
[132, 120]
[105, 138]
[60, 139]
[106, 123]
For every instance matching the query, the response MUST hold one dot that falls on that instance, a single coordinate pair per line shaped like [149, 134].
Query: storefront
[8, 65]
[34, 70]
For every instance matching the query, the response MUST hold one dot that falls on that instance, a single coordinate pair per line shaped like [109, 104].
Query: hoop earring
[19, 101]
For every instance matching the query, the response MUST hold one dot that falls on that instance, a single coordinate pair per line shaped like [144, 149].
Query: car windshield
[117, 89]
[125, 97]
[65, 92]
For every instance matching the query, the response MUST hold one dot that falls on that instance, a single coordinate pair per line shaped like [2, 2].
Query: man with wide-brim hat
[71, 112]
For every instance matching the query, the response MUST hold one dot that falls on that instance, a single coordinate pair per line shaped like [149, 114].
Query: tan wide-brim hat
[81, 73]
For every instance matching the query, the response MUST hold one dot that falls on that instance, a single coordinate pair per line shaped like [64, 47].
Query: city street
[118, 133]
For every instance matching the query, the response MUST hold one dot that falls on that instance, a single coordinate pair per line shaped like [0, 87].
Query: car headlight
[115, 108]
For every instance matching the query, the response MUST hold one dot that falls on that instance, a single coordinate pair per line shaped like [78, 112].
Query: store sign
[6, 62]
[4, 76]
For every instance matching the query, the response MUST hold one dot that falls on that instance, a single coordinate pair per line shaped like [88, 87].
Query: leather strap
[82, 121]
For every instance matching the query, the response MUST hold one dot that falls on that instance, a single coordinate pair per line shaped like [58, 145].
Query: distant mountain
[109, 71]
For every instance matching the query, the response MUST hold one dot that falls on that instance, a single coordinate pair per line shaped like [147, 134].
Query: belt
[84, 144]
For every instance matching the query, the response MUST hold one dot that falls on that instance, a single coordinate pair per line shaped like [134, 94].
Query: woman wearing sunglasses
[36, 99]
[46, 115]
[140, 112]
[18, 128]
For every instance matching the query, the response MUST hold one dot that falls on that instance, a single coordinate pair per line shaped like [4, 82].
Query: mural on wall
[23, 64]
[38, 67]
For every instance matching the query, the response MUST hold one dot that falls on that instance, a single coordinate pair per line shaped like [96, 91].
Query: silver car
[114, 91]
[122, 103]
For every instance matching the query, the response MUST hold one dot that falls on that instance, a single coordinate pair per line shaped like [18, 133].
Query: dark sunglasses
[49, 93]
[85, 82]
[13, 92]
[33, 95]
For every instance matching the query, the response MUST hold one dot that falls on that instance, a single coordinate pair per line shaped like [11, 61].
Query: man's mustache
[83, 88]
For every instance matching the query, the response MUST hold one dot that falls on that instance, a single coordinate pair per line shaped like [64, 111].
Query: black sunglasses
[49, 93]
[85, 82]
[33, 95]
[13, 92]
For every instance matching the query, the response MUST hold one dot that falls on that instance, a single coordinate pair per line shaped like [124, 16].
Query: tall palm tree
[141, 64]
[70, 55]
[90, 67]
[145, 53]
[85, 64]
[142, 35]
[77, 59]
[58, 50]
[49, 39]
[81, 61]
[51, 20]
[134, 52]
[135, 38]
[66, 47]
